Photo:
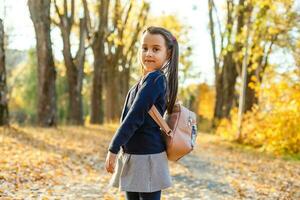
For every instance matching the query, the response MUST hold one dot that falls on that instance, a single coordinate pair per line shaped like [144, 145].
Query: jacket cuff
[114, 149]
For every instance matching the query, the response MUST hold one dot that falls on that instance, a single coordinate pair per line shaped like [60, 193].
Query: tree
[74, 65]
[4, 118]
[97, 44]
[226, 68]
[113, 45]
[40, 15]
[244, 84]
[272, 20]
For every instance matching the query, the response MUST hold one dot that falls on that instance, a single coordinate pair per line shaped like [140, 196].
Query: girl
[142, 165]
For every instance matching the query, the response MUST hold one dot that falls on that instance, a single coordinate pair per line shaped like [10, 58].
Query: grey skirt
[141, 173]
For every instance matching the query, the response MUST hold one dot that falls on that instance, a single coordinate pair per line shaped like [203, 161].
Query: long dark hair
[171, 69]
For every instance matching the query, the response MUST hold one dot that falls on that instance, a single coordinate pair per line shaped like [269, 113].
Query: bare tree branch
[57, 9]
[66, 8]
[213, 39]
[128, 12]
[72, 11]
[87, 18]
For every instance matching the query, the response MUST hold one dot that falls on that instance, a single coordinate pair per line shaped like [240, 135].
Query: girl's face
[154, 52]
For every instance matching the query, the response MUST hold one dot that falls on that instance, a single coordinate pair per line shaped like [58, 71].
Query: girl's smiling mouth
[149, 61]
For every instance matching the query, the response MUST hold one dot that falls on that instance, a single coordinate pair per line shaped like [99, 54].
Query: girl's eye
[146, 49]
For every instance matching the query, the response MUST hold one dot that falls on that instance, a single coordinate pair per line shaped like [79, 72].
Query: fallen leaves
[68, 163]
[34, 160]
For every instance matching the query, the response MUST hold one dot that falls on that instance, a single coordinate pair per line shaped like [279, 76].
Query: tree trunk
[262, 62]
[107, 75]
[111, 93]
[121, 57]
[124, 83]
[40, 15]
[219, 98]
[97, 88]
[243, 90]
[227, 74]
[251, 98]
[99, 64]
[74, 66]
[213, 39]
[4, 117]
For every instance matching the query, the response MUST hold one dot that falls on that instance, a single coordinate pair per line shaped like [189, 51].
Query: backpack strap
[156, 116]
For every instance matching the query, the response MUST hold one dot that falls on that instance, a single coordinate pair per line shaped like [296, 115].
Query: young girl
[141, 168]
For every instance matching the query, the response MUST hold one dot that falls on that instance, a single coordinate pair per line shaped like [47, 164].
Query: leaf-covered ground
[68, 163]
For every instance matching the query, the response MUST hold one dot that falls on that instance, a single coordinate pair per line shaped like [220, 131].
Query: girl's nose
[149, 53]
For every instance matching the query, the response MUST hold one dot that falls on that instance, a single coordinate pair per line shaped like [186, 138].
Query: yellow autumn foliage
[274, 124]
[206, 101]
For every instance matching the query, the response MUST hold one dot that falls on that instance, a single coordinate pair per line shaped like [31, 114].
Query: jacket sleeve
[149, 91]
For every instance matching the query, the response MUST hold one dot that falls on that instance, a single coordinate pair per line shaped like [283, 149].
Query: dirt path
[216, 170]
[71, 166]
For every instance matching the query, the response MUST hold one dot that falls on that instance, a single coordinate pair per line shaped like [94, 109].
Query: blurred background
[66, 67]
[72, 63]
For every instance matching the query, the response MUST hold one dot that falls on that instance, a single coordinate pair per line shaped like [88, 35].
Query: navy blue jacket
[138, 133]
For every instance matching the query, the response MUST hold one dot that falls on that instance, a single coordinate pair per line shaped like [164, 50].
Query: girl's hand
[110, 162]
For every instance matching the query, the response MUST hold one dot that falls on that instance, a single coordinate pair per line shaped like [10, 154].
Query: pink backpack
[180, 130]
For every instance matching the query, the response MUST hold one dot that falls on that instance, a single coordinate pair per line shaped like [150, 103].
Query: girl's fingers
[110, 162]
[107, 166]
[110, 165]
